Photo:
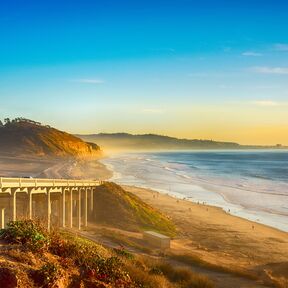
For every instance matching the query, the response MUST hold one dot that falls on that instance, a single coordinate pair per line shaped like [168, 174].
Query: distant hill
[128, 142]
[26, 137]
[124, 141]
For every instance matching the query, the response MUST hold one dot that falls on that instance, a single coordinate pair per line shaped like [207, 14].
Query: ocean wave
[184, 176]
[169, 169]
[236, 185]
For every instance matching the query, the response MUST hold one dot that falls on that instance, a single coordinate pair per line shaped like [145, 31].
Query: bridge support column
[70, 212]
[91, 199]
[86, 207]
[48, 209]
[79, 209]
[14, 205]
[2, 218]
[30, 203]
[63, 214]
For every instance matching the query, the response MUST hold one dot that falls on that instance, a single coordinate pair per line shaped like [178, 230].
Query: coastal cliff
[24, 137]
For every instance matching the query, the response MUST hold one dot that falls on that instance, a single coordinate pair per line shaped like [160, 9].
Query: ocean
[248, 184]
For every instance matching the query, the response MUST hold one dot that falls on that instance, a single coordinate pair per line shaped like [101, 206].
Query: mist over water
[250, 184]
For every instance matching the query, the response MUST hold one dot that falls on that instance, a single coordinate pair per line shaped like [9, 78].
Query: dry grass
[196, 261]
[18, 255]
[158, 273]
[13, 275]
[144, 279]
[185, 277]
[124, 240]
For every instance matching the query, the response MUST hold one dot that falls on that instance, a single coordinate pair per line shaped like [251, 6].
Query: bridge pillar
[79, 209]
[70, 211]
[91, 199]
[14, 204]
[30, 203]
[48, 209]
[63, 214]
[2, 218]
[86, 207]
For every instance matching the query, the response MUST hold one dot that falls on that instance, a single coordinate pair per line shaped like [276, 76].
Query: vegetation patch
[162, 274]
[48, 275]
[31, 234]
[196, 261]
[124, 253]
[118, 208]
[65, 260]
[182, 276]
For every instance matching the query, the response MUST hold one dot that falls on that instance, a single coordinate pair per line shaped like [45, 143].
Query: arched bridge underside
[64, 203]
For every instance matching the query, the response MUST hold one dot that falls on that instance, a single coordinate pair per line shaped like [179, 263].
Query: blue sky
[196, 69]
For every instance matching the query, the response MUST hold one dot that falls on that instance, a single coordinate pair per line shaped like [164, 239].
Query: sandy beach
[214, 234]
[220, 238]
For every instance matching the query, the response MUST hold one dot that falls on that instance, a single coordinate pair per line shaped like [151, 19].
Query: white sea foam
[254, 198]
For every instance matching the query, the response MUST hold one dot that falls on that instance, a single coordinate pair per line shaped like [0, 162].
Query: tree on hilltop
[7, 121]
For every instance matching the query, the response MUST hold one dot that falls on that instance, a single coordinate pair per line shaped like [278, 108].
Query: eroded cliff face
[23, 138]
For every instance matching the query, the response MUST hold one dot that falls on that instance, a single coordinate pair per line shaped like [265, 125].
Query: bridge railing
[29, 183]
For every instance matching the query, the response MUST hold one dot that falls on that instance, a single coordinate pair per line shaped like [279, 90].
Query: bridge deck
[44, 183]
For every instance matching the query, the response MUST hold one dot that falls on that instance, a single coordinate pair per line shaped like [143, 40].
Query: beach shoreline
[215, 236]
[218, 237]
[239, 200]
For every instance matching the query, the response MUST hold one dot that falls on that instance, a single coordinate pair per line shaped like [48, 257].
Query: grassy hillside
[118, 208]
[26, 137]
[32, 257]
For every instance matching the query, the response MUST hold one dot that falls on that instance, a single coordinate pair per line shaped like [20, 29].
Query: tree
[7, 121]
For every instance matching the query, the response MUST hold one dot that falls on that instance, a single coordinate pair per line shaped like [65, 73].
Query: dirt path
[60, 170]
[17, 166]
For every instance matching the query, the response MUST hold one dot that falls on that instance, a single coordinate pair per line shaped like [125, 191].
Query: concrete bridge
[64, 203]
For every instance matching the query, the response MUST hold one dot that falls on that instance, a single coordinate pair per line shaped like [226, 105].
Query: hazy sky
[195, 69]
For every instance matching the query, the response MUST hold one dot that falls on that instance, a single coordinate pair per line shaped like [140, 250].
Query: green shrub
[124, 253]
[89, 257]
[48, 274]
[32, 234]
